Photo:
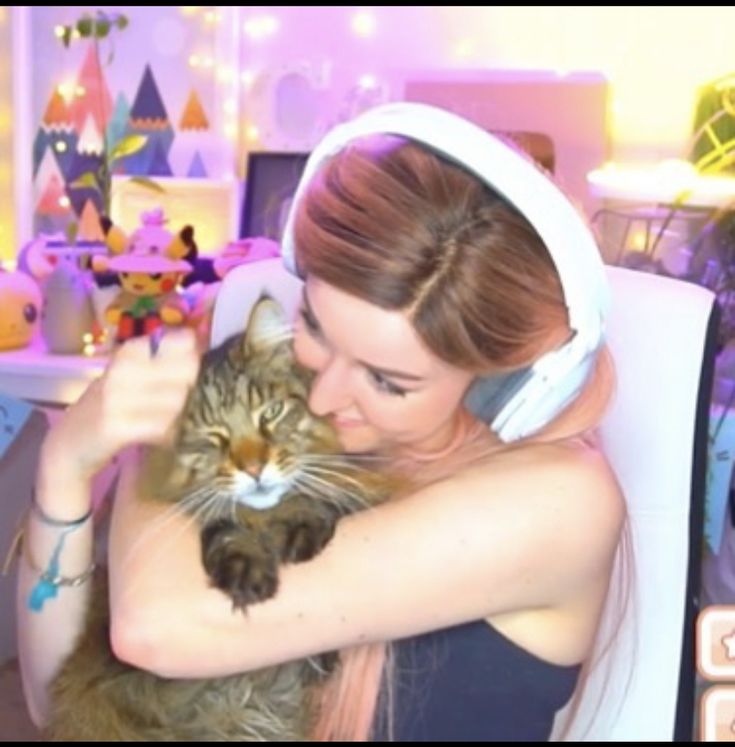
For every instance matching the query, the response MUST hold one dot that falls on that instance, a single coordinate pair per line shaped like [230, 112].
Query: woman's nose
[330, 389]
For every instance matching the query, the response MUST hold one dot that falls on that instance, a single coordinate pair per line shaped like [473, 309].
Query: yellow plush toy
[20, 309]
[150, 265]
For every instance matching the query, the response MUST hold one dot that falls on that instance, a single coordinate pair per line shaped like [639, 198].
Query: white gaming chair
[661, 333]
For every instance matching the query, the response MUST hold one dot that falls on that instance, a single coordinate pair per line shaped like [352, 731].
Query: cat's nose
[254, 469]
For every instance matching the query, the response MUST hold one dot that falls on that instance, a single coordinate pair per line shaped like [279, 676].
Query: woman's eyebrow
[371, 367]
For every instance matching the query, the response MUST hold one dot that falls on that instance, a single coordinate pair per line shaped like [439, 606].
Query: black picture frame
[271, 180]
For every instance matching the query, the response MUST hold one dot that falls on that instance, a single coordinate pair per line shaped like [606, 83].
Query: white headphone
[542, 391]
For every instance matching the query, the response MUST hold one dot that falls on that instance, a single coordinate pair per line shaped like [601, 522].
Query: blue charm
[43, 590]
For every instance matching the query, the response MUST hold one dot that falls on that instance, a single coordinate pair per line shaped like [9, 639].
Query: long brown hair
[396, 225]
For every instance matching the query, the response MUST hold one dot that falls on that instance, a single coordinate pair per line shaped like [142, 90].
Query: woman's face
[375, 378]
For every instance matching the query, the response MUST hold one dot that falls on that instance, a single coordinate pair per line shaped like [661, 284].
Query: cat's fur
[246, 418]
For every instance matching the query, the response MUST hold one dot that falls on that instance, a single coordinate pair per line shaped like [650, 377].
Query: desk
[667, 182]
[33, 374]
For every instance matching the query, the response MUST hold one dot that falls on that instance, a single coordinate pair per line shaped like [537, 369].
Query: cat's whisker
[186, 507]
[328, 491]
[338, 479]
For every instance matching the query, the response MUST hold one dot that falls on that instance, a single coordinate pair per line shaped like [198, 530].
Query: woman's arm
[136, 401]
[530, 533]
[47, 636]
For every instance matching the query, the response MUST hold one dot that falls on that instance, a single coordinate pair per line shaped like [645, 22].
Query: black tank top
[471, 683]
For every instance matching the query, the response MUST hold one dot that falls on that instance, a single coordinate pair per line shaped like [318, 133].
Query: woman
[421, 283]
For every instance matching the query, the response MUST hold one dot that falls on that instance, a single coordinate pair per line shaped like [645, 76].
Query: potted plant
[98, 27]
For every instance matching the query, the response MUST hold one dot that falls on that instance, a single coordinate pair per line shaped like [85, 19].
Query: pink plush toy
[242, 251]
[150, 265]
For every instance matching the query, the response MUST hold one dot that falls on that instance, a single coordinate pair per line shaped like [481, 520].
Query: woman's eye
[310, 323]
[272, 411]
[386, 386]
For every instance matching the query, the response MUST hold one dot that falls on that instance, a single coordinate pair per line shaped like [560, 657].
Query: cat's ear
[267, 327]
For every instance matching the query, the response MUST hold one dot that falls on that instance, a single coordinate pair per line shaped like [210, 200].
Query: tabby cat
[266, 483]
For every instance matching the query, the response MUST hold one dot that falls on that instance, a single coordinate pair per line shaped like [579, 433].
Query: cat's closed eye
[218, 439]
[272, 412]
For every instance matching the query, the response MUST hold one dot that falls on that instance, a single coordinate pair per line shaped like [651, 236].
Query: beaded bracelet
[47, 586]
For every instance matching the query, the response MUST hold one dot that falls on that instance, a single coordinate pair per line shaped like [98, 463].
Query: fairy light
[66, 90]
[64, 202]
[367, 81]
[212, 17]
[79, 91]
[363, 23]
[252, 133]
[89, 348]
[60, 146]
[465, 48]
[190, 10]
[225, 73]
[59, 31]
[194, 60]
[247, 78]
[260, 27]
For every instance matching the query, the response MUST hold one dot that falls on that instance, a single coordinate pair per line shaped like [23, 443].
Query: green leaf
[121, 21]
[101, 29]
[84, 26]
[144, 181]
[71, 231]
[66, 36]
[127, 146]
[87, 180]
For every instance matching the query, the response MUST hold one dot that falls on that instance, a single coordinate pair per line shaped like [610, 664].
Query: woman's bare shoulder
[569, 482]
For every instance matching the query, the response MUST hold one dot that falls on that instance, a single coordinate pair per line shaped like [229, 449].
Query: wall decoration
[113, 95]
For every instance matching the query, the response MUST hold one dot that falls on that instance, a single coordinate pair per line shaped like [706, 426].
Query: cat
[266, 482]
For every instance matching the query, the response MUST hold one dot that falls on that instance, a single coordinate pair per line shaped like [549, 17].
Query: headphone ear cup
[487, 395]
[556, 378]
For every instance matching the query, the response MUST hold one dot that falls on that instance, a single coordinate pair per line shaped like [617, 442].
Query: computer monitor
[270, 183]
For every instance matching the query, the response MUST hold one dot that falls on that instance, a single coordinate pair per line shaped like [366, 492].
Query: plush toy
[20, 309]
[150, 265]
[251, 249]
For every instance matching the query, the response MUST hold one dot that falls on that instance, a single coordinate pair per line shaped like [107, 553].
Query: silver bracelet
[67, 580]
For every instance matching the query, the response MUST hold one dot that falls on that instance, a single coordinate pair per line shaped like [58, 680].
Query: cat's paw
[300, 539]
[238, 564]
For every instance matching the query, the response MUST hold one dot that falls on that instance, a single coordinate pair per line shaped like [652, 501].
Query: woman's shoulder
[570, 481]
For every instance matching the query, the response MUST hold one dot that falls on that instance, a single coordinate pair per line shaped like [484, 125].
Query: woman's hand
[136, 401]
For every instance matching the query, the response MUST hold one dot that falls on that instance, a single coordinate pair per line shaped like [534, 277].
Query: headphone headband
[569, 241]
[557, 376]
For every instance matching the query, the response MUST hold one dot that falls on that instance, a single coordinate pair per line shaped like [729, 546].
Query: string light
[225, 73]
[465, 48]
[64, 202]
[89, 348]
[60, 146]
[247, 78]
[363, 23]
[367, 81]
[260, 27]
